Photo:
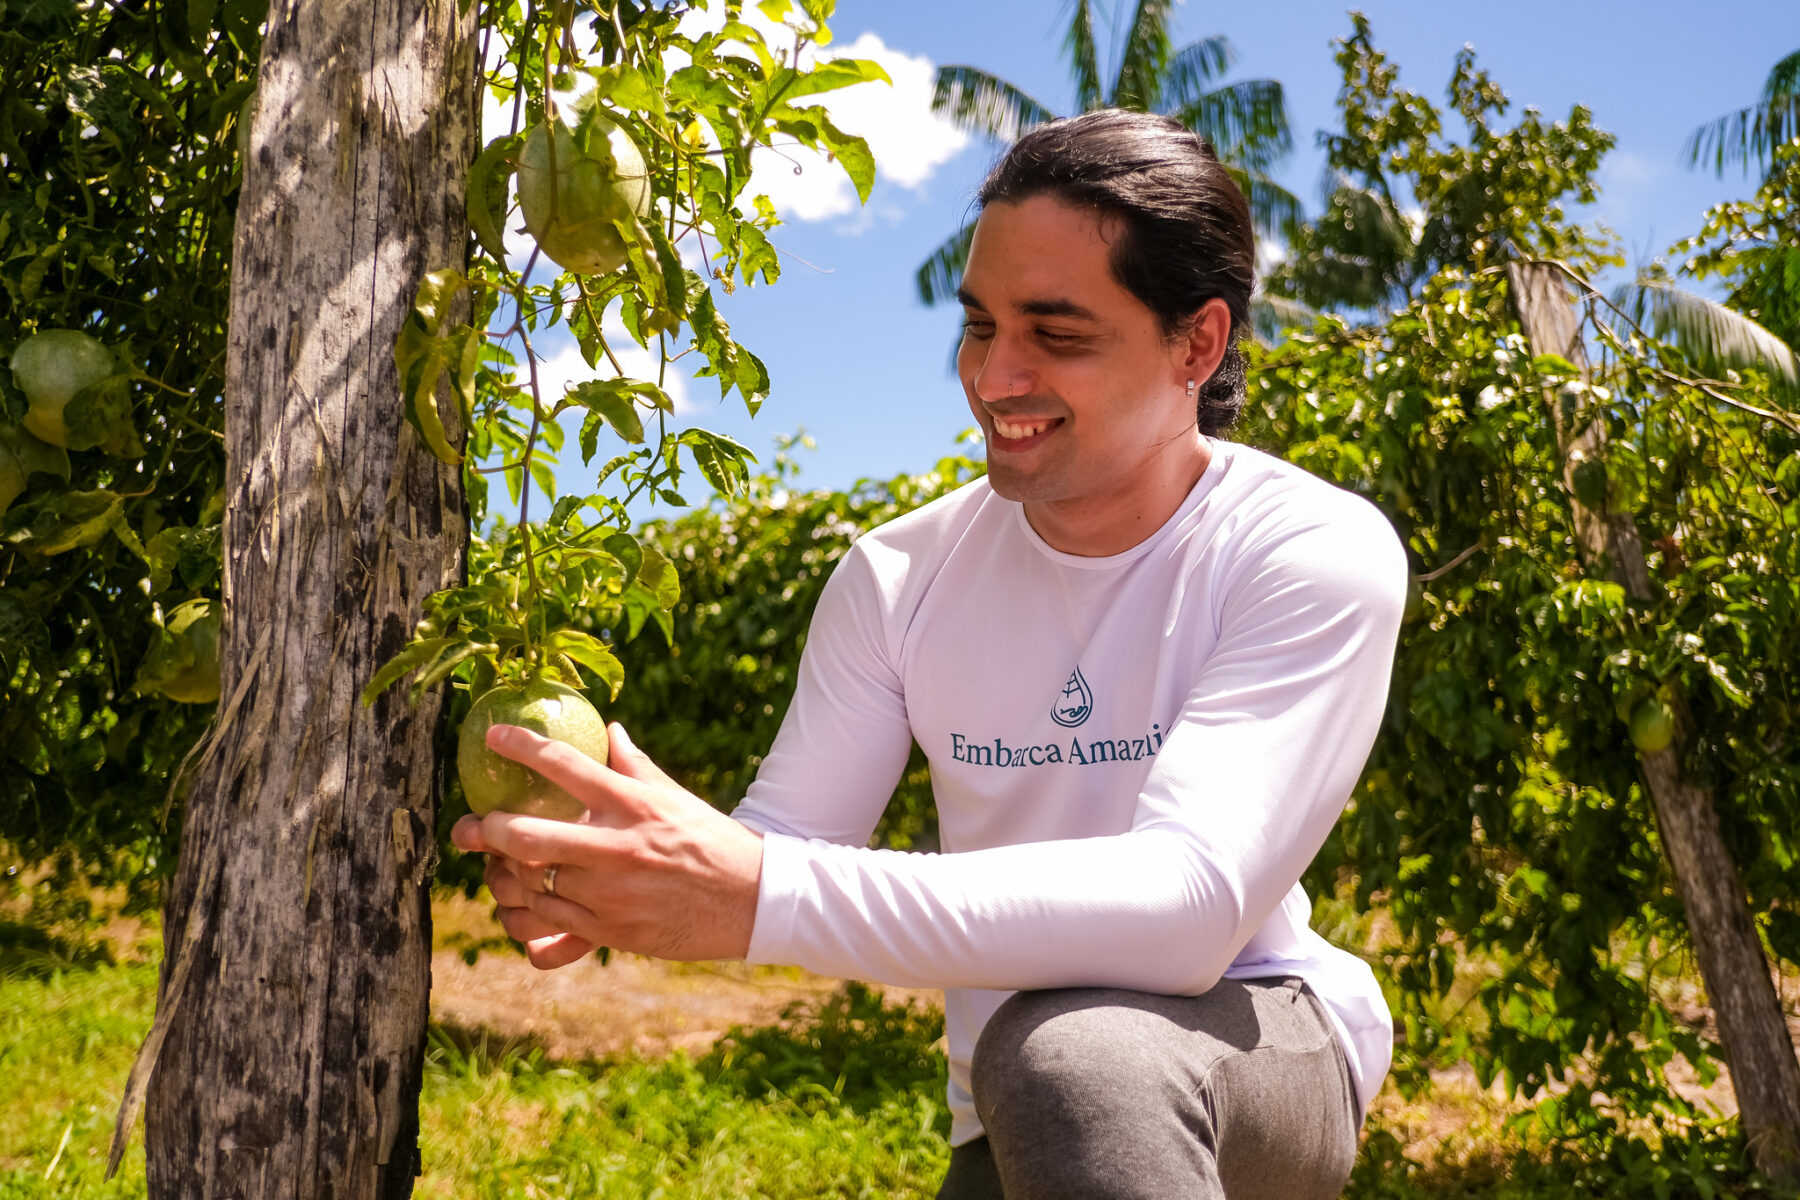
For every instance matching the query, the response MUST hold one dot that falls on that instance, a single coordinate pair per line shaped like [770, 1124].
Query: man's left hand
[651, 868]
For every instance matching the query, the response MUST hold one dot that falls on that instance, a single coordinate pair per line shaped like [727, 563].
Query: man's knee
[1077, 1099]
[1054, 1060]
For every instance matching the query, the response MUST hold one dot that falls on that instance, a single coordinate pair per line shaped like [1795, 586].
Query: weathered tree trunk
[1764, 1070]
[289, 1041]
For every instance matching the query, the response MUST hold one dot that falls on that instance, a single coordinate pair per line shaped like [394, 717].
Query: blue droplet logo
[1075, 704]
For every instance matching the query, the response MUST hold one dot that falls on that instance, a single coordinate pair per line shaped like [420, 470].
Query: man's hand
[651, 868]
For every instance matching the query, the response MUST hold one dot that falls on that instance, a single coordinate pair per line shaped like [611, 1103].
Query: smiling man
[1146, 664]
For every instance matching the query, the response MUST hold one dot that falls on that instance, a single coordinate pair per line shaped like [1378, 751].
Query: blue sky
[863, 367]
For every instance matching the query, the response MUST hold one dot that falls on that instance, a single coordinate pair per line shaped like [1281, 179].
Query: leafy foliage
[118, 178]
[119, 136]
[1404, 201]
[1502, 820]
[697, 102]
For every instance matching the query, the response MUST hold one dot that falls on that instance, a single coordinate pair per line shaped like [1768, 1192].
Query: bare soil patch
[632, 1005]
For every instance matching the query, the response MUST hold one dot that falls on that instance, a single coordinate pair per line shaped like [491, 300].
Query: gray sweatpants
[1096, 1093]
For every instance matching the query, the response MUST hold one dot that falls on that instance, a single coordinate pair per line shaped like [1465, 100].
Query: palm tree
[1750, 245]
[1751, 134]
[1246, 121]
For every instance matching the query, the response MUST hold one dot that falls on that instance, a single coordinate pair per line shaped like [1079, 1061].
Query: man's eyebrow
[1050, 307]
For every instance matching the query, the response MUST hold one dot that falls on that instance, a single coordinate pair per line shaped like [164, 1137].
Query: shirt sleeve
[1247, 785]
[844, 740]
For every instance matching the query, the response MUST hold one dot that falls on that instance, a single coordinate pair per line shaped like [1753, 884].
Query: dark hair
[1186, 236]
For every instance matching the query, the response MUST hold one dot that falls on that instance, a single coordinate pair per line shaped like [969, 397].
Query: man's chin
[1021, 486]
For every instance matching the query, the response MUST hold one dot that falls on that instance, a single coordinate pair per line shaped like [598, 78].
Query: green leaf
[852, 154]
[444, 662]
[411, 658]
[590, 652]
[21, 457]
[721, 460]
[437, 291]
[61, 521]
[487, 199]
[674, 275]
[98, 417]
[422, 360]
[614, 401]
[629, 552]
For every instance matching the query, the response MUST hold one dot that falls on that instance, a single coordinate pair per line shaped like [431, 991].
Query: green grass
[67, 1039]
[844, 1102]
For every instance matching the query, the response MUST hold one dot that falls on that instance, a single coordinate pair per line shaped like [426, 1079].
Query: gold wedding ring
[550, 879]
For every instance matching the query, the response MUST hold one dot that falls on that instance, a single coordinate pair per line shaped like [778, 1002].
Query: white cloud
[909, 142]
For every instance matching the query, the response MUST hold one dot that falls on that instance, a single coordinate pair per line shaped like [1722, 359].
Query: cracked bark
[289, 1044]
[1764, 1070]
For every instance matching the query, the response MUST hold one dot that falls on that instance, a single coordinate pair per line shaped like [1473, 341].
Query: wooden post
[287, 1052]
[1764, 1070]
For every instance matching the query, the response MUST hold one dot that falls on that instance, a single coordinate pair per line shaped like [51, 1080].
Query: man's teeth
[1013, 430]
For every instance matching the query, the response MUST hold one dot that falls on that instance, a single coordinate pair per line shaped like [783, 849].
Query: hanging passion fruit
[50, 367]
[571, 210]
[494, 783]
[1652, 726]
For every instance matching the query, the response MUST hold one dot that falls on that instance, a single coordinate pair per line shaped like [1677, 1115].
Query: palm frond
[1272, 316]
[1145, 57]
[1194, 71]
[1713, 337]
[1083, 57]
[1272, 207]
[940, 275]
[980, 102]
[1748, 136]
[1247, 122]
[1783, 82]
[1751, 134]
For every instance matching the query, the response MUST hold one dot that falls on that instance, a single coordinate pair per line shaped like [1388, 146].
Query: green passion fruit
[571, 210]
[50, 367]
[1652, 726]
[184, 665]
[494, 783]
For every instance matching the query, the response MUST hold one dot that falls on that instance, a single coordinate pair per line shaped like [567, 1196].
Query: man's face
[1080, 395]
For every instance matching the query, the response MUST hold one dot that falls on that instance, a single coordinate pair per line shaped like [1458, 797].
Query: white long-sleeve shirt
[1134, 757]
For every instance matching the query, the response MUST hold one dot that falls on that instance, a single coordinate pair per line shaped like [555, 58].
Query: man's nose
[1003, 374]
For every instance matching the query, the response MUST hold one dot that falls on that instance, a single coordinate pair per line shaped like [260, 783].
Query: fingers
[465, 835]
[523, 925]
[559, 762]
[540, 840]
[549, 953]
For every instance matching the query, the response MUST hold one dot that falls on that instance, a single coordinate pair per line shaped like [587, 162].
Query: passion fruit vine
[571, 210]
[494, 783]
